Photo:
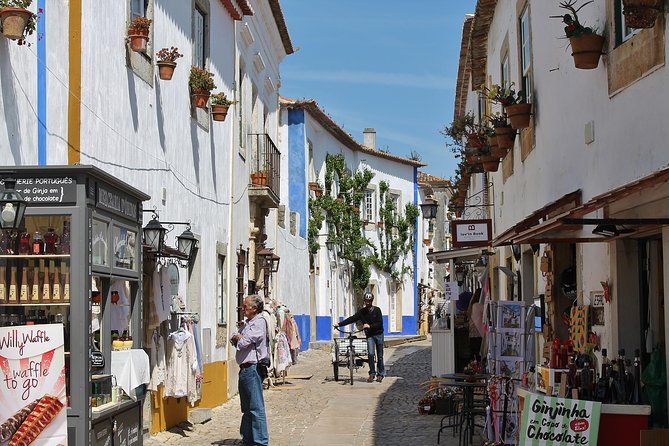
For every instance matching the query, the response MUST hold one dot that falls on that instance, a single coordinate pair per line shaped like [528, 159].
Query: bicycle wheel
[351, 362]
[335, 364]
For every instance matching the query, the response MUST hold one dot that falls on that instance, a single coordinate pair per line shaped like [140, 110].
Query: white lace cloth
[131, 369]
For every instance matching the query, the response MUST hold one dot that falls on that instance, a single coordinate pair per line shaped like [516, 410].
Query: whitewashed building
[78, 94]
[311, 135]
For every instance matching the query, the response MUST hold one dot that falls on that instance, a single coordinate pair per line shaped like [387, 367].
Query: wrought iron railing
[265, 158]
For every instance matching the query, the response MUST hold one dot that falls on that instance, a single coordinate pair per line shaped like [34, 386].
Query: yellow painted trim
[167, 412]
[74, 101]
[214, 385]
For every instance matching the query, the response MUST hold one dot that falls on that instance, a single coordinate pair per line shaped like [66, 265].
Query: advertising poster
[32, 388]
[551, 421]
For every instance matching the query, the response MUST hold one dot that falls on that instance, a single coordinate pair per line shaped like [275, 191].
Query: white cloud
[370, 78]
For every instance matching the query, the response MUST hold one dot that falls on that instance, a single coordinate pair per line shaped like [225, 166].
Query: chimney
[369, 138]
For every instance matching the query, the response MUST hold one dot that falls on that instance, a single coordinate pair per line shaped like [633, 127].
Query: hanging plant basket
[587, 50]
[318, 192]
[14, 22]
[495, 150]
[166, 69]
[490, 163]
[641, 13]
[219, 112]
[519, 115]
[505, 136]
[259, 178]
[200, 98]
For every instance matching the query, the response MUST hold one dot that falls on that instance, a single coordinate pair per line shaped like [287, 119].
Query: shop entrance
[651, 291]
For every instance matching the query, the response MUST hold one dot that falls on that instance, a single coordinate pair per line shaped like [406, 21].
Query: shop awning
[631, 207]
[463, 254]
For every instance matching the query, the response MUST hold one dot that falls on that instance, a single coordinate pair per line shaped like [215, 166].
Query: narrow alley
[321, 411]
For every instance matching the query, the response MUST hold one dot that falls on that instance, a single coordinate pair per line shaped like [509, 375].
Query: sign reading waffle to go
[471, 233]
[559, 421]
[32, 385]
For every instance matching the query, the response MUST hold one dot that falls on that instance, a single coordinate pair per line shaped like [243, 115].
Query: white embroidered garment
[158, 367]
[181, 366]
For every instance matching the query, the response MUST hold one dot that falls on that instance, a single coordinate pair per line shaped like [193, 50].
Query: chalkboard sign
[49, 190]
[97, 360]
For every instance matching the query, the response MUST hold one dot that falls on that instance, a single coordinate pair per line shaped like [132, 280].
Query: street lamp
[330, 244]
[429, 207]
[154, 235]
[459, 274]
[187, 244]
[12, 206]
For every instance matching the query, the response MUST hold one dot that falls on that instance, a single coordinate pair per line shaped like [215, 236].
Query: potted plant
[17, 21]
[489, 160]
[514, 103]
[463, 127]
[138, 33]
[641, 13]
[167, 62]
[504, 134]
[585, 43]
[219, 106]
[259, 178]
[201, 82]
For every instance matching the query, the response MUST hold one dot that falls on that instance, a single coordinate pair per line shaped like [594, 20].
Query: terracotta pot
[200, 98]
[259, 179]
[426, 242]
[138, 42]
[505, 137]
[166, 69]
[519, 115]
[495, 150]
[490, 163]
[219, 112]
[313, 185]
[475, 141]
[14, 22]
[587, 50]
[641, 13]
[318, 192]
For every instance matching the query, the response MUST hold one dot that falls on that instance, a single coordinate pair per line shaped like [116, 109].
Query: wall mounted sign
[451, 290]
[47, 191]
[471, 233]
[117, 202]
[549, 420]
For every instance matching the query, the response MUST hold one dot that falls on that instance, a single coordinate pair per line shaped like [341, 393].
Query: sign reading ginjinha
[559, 421]
[471, 233]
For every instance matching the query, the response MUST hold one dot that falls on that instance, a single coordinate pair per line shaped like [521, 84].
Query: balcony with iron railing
[265, 170]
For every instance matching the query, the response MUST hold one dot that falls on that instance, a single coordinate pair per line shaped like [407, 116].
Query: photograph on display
[511, 367]
[510, 315]
[511, 344]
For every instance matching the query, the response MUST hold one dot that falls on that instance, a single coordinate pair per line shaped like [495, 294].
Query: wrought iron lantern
[429, 208]
[154, 235]
[12, 206]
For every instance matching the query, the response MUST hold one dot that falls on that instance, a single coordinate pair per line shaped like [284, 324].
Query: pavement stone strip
[321, 411]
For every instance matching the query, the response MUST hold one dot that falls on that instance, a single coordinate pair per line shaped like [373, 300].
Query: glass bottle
[24, 243]
[636, 386]
[4, 242]
[50, 240]
[38, 244]
[65, 238]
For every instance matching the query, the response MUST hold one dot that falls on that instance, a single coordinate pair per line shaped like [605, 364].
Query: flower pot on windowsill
[138, 39]
[641, 13]
[506, 137]
[219, 112]
[519, 115]
[259, 178]
[166, 69]
[587, 50]
[200, 98]
[14, 22]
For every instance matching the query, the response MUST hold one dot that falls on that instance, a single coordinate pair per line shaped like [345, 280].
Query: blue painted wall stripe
[297, 181]
[415, 253]
[41, 84]
[304, 326]
[323, 328]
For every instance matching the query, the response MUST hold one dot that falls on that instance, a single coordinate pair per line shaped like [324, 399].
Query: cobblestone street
[321, 411]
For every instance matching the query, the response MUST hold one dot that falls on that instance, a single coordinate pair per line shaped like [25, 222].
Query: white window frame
[505, 70]
[138, 8]
[627, 32]
[525, 53]
[368, 208]
[199, 37]
[221, 287]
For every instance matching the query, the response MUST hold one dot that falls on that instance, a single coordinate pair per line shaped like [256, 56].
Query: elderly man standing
[251, 344]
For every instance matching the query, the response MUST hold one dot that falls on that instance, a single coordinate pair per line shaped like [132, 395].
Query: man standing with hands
[373, 326]
[251, 344]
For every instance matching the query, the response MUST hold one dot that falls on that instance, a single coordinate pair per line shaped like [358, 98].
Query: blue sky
[386, 64]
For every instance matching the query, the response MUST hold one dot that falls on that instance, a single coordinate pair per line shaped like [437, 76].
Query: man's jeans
[376, 343]
[254, 423]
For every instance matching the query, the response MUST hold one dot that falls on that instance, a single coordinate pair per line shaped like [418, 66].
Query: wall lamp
[268, 260]
[429, 207]
[12, 206]
[154, 238]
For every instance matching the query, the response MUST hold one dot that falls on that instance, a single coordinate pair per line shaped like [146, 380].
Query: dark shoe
[370, 378]
[379, 378]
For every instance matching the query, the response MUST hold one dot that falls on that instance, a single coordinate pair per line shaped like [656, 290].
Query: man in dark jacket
[373, 326]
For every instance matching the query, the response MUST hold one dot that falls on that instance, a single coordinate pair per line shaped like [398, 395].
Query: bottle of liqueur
[24, 244]
[34, 295]
[3, 285]
[38, 244]
[620, 384]
[56, 280]
[50, 240]
[46, 287]
[13, 292]
[65, 238]
[636, 386]
[66, 286]
[23, 293]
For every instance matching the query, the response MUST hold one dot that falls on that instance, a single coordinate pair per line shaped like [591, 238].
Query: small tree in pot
[167, 62]
[201, 82]
[219, 106]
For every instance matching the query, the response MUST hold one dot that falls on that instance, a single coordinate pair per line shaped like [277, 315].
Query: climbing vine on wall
[396, 238]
